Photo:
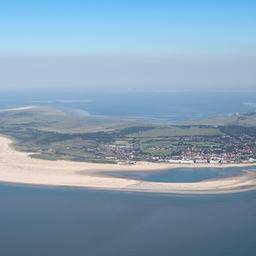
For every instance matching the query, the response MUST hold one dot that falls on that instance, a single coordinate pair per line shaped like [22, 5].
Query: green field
[177, 131]
[60, 134]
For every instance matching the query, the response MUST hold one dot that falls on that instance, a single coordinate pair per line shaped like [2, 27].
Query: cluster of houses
[241, 153]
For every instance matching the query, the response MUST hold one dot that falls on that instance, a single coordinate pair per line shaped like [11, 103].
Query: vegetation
[61, 134]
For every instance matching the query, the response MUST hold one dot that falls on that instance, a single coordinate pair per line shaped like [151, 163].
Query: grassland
[174, 131]
[62, 134]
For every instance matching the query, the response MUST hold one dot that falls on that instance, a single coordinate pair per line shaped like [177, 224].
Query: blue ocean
[57, 221]
[167, 106]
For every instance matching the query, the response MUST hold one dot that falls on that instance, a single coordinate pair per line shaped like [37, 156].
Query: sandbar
[20, 167]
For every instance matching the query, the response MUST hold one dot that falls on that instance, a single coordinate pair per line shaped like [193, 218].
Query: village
[188, 149]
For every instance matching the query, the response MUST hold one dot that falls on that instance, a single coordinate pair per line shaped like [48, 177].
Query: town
[230, 140]
[188, 149]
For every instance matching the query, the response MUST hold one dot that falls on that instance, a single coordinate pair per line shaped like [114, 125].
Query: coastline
[19, 167]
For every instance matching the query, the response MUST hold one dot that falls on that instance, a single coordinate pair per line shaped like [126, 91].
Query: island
[59, 147]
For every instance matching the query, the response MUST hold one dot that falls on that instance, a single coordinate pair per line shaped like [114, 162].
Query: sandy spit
[19, 167]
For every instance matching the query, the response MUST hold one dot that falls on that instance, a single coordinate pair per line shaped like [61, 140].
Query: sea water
[183, 175]
[65, 221]
[167, 106]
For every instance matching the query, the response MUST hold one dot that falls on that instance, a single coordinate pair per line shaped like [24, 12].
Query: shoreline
[18, 167]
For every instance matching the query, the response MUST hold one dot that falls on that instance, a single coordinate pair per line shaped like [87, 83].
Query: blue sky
[128, 43]
[179, 27]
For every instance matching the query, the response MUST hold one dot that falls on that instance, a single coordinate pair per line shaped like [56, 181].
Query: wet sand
[19, 167]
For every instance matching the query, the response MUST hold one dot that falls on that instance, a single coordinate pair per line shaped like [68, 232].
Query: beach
[19, 167]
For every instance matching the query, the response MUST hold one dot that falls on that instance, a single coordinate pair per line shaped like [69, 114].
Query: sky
[122, 44]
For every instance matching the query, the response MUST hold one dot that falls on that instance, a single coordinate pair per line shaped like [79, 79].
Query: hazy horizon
[129, 45]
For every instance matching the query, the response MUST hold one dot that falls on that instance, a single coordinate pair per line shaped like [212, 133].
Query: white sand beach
[19, 167]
